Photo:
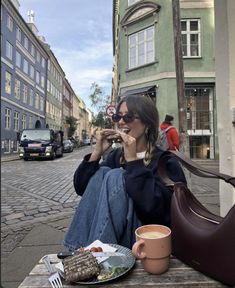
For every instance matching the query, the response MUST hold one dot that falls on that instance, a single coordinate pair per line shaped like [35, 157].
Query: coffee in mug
[153, 247]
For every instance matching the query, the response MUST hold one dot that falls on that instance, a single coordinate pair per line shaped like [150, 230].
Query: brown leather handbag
[200, 238]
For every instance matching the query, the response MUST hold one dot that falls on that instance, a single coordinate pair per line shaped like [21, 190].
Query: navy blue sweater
[150, 196]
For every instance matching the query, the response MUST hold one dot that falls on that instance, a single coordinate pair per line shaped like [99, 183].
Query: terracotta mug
[153, 247]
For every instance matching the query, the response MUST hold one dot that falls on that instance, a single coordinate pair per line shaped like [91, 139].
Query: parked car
[87, 141]
[68, 146]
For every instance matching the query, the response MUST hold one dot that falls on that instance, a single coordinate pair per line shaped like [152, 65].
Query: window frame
[18, 59]
[9, 50]
[23, 121]
[8, 86]
[9, 22]
[17, 88]
[135, 47]
[188, 32]
[25, 93]
[16, 123]
[7, 118]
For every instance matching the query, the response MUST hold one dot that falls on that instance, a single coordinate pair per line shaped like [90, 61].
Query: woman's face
[136, 127]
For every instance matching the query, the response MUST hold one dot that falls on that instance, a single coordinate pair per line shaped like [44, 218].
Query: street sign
[110, 110]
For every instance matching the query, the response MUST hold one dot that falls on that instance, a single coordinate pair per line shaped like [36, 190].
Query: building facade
[23, 77]
[145, 63]
[67, 109]
[34, 90]
[55, 77]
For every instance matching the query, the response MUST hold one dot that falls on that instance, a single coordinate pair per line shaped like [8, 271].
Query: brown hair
[145, 108]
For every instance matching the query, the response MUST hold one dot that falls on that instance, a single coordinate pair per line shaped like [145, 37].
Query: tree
[100, 102]
[73, 123]
[98, 99]
[102, 121]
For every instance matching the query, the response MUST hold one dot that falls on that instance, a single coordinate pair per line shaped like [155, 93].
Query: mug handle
[136, 249]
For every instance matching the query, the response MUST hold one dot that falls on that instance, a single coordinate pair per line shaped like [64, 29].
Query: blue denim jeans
[105, 212]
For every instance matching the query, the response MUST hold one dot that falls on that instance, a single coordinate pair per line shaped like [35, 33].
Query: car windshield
[36, 135]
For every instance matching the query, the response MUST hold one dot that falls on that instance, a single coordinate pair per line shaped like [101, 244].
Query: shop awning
[147, 90]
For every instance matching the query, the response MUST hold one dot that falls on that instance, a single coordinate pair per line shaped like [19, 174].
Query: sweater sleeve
[87, 169]
[150, 195]
[83, 174]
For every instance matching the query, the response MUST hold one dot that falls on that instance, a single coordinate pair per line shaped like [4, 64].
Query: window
[26, 66]
[31, 97]
[41, 103]
[26, 42]
[9, 23]
[24, 121]
[17, 88]
[48, 65]
[7, 118]
[18, 59]
[30, 122]
[18, 34]
[43, 62]
[37, 77]
[16, 121]
[38, 56]
[8, 83]
[31, 71]
[48, 85]
[9, 49]
[131, 2]
[32, 51]
[25, 93]
[7, 147]
[37, 101]
[141, 48]
[42, 81]
[15, 146]
[191, 38]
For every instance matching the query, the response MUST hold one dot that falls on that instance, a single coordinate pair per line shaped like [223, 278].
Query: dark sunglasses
[127, 118]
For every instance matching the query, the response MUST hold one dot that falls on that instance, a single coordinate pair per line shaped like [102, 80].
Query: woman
[124, 191]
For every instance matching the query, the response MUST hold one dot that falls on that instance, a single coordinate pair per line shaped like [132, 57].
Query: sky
[79, 33]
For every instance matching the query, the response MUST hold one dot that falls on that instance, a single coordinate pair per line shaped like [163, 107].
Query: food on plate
[96, 249]
[81, 266]
[111, 273]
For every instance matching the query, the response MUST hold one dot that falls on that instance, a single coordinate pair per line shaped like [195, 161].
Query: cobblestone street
[38, 201]
[36, 192]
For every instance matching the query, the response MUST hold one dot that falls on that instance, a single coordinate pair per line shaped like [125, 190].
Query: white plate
[127, 261]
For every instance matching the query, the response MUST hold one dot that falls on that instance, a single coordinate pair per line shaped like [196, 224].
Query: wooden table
[178, 275]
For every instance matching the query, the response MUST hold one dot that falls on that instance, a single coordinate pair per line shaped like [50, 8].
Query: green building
[144, 63]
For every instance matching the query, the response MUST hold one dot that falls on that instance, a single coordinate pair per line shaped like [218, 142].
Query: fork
[54, 278]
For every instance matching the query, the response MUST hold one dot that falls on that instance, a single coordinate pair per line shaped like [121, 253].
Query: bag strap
[168, 128]
[191, 166]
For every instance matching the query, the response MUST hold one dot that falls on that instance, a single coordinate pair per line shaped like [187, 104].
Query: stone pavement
[29, 234]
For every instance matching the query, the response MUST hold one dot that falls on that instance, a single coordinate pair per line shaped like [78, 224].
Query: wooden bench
[178, 275]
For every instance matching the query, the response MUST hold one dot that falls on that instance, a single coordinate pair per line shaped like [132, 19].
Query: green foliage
[100, 102]
[73, 123]
[102, 121]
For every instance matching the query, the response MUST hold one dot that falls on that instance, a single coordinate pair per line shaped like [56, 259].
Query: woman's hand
[102, 142]
[129, 146]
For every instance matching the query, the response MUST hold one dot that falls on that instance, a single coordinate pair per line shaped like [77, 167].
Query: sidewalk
[24, 246]
[12, 157]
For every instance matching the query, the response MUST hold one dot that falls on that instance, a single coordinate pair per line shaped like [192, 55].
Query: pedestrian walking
[172, 135]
